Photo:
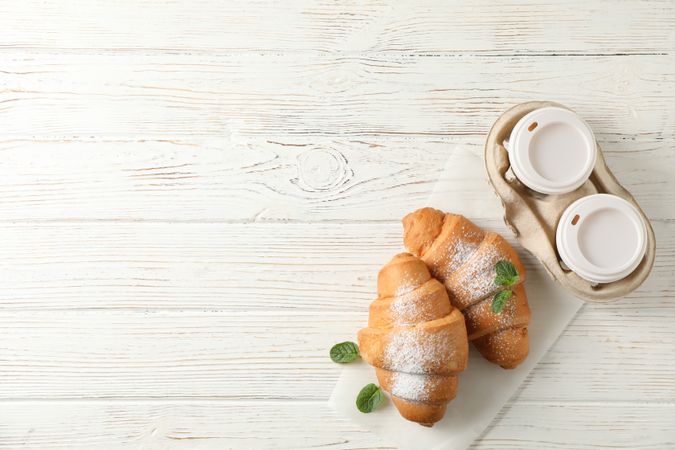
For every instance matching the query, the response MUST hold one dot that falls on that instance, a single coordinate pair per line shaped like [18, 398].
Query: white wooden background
[195, 198]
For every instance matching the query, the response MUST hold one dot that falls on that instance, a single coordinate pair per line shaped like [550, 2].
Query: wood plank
[229, 267]
[127, 123]
[299, 179]
[178, 425]
[582, 426]
[516, 27]
[305, 179]
[123, 310]
[300, 425]
[177, 354]
[617, 353]
[232, 97]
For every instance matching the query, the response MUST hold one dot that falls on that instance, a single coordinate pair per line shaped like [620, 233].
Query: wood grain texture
[223, 266]
[191, 425]
[284, 356]
[232, 97]
[198, 425]
[308, 179]
[407, 26]
[195, 198]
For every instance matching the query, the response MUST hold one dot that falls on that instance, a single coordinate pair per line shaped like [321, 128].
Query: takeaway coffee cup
[601, 237]
[552, 150]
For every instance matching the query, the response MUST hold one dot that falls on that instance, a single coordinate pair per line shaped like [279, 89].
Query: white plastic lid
[552, 150]
[602, 238]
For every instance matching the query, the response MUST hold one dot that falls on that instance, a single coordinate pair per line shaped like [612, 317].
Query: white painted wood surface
[195, 199]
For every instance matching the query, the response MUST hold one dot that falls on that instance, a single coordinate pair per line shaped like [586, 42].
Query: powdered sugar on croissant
[415, 339]
[463, 257]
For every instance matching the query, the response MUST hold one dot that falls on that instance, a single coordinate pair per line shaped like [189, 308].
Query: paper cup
[602, 238]
[552, 150]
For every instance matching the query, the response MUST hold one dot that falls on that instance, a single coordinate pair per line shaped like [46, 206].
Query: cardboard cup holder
[534, 216]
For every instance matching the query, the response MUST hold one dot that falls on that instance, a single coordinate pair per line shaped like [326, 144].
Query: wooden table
[196, 197]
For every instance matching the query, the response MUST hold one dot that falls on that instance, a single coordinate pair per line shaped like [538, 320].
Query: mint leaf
[370, 397]
[500, 299]
[507, 274]
[344, 352]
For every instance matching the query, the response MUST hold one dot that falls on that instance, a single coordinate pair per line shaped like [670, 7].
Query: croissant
[463, 257]
[415, 339]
